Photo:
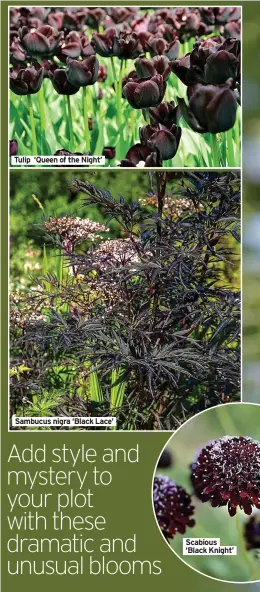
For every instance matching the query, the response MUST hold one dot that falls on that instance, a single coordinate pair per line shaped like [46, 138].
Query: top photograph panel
[125, 86]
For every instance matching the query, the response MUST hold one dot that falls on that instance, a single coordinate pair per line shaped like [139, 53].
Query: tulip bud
[13, 147]
[109, 152]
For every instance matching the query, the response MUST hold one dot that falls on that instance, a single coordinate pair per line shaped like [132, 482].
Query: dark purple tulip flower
[41, 42]
[158, 65]
[141, 156]
[13, 147]
[82, 73]
[61, 83]
[26, 81]
[128, 46]
[220, 66]
[159, 46]
[75, 45]
[211, 109]
[210, 62]
[105, 44]
[109, 152]
[145, 93]
[159, 138]
[165, 113]
[122, 45]
[17, 53]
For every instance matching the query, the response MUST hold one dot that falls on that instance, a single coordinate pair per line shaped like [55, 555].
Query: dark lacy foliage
[167, 315]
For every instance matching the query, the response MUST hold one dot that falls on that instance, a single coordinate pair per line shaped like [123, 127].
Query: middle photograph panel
[124, 294]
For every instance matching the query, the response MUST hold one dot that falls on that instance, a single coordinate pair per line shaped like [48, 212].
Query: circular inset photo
[206, 492]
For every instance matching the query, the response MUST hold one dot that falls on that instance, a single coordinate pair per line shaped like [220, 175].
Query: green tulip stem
[85, 115]
[215, 150]
[230, 149]
[132, 121]
[42, 115]
[236, 130]
[119, 94]
[71, 141]
[32, 121]
[114, 73]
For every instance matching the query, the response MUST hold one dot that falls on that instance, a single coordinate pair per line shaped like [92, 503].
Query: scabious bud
[252, 532]
[226, 472]
[165, 461]
[172, 506]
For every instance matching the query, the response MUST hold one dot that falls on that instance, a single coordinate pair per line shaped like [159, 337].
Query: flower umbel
[226, 472]
[172, 505]
[74, 230]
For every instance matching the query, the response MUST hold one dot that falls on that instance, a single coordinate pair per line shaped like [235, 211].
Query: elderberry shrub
[154, 314]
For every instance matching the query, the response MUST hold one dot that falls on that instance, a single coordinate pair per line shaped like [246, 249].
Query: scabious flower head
[74, 230]
[252, 532]
[226, 472]
[172, 506]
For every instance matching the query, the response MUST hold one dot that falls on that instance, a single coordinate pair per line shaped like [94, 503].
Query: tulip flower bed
[142, 87]
[144, 326]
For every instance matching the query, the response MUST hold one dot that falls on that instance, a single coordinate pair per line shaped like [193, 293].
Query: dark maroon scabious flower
[61, 83]
[252, 532]
[109, 152]
[166, 113]
[84, 72]
[158, 65]
[41, 42]
[226, 472]
[26, 81]
[211, 108]
[13, 147]
[145, 92]
[165, 461]
[172, 506]
[140, 155]
[158, 137]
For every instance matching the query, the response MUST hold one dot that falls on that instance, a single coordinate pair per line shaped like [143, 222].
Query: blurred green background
[251, 202]
[237, 419]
